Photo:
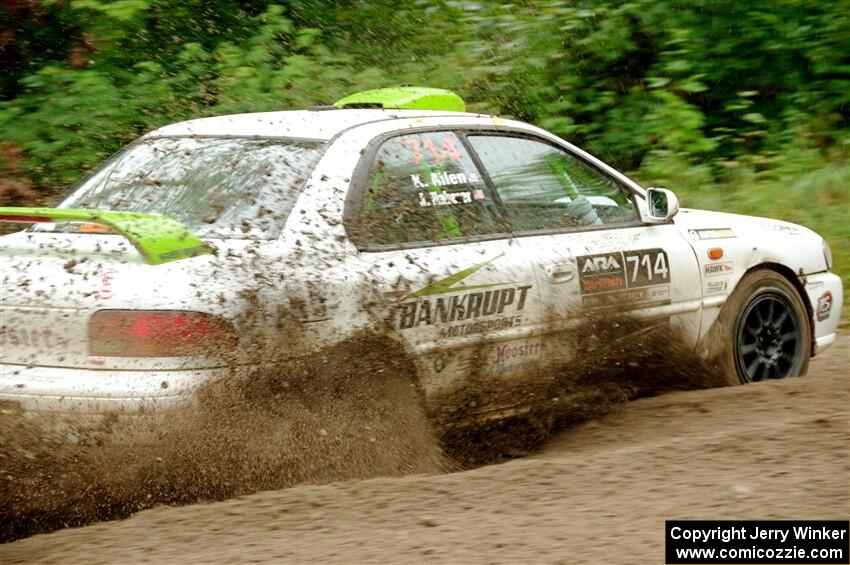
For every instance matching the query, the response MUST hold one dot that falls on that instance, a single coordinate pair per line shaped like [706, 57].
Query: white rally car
[473, 242]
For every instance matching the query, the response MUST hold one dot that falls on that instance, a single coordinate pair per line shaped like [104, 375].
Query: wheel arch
[792, 278]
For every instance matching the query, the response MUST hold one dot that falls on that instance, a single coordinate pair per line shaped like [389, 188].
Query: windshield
[230, 188]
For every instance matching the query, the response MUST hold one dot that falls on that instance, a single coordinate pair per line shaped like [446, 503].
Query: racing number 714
[447, 150]
[648, 265]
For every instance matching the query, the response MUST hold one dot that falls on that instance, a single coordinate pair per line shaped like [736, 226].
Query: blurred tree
[32, 34]
[715, 98]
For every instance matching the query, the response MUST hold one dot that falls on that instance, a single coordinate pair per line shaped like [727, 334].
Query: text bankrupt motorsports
[460, 307]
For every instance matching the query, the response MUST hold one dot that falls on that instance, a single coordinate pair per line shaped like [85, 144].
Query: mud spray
[347, 413]
[609, 361]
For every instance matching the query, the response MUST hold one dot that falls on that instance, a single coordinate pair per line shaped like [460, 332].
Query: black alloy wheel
[769, 339]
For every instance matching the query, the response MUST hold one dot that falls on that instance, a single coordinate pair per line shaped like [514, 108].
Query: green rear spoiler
[159, 239]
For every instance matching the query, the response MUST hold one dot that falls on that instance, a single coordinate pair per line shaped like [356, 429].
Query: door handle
[559, 273]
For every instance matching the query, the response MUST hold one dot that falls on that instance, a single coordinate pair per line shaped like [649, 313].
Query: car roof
[318, 125]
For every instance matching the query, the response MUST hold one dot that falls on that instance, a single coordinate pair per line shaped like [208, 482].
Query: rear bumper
[98, 392]
[826, 296]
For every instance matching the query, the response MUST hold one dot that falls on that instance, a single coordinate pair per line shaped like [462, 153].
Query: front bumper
[826, 297]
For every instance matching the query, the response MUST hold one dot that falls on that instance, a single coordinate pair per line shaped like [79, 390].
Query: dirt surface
[596, 493]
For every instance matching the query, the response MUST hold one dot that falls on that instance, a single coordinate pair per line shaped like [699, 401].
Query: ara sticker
[616, 279]
[714, 233]
[617, 271]
[717, 269]
[824, 306]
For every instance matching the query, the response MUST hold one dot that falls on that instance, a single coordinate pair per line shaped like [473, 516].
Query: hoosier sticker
[515, 356]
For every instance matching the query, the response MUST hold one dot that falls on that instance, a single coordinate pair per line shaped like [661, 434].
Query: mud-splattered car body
[473, 241]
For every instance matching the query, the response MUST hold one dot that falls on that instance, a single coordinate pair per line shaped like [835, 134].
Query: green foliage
[740, 106]
[800, 185]
[67, 119]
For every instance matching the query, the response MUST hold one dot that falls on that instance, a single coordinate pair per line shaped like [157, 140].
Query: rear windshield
[229, 188]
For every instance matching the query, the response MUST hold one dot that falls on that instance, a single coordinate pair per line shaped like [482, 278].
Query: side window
[544, 187]
[425, 187]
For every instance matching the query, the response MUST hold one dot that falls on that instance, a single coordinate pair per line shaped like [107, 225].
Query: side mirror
[661, 205]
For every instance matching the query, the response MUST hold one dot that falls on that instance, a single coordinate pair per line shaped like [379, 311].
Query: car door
[595, 260]
[450, 280]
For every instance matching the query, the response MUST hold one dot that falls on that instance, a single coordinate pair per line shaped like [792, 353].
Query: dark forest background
[736, 105]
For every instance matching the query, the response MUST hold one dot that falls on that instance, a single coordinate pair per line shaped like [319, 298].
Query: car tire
[763, 331]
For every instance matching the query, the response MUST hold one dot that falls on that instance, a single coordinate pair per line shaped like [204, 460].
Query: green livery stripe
[159, 239]
[446, 285]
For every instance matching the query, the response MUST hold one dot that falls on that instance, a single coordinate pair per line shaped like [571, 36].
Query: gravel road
[596, 493]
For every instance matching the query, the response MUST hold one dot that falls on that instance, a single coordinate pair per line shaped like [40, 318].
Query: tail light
[158, 333]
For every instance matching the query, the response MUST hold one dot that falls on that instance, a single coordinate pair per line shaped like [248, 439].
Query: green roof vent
[405, 97]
